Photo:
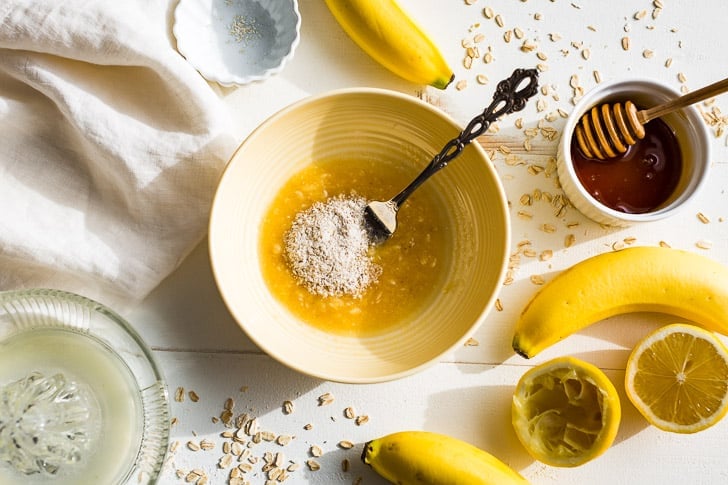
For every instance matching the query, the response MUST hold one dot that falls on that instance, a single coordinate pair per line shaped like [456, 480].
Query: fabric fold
[111, 146]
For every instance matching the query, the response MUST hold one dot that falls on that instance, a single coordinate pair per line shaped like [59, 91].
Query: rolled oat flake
[327, 248]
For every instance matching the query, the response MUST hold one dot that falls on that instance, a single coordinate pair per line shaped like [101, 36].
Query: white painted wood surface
[468, 394]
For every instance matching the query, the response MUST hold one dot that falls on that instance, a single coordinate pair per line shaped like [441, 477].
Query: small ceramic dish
[388, 129]
[81, 397]
[689, 130]
[236, 42]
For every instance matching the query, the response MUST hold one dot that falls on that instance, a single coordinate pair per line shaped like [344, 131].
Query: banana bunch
[385, 32]
[637, 279]
[420, 457]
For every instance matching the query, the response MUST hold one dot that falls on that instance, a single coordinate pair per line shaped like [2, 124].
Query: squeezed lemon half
[565, 412]
[677, 377]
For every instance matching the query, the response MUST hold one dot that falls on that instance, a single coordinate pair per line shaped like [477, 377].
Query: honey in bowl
[638, 181]
[414, 262]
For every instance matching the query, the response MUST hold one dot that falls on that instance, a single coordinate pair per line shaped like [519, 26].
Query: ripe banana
[419, 457]
[637, 279]
[385, 32]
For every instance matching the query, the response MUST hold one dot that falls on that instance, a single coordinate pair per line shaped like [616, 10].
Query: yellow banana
[637, 279]
[385, 32]
[419, 457]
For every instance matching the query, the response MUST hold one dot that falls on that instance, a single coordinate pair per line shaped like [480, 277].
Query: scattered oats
[325, 399]
[527, 144]
[207, 445]
[287, 407]
[648, 53]
[313, 465]
[462, 84]
[703, 218]
[657, 4]
[481, 79]
[518, 33]
[227, 447]
[592, 28]
[703, 244]
[467, 62]
[227, 434]
[554, 37]
[569, 240]
[174, 421]
[617, 245]
[225, 461]
[193, 396]
[542, 67]
[640, 15]
[574, 81]
[537, 279]
[194, 475]
[625, 43]
[361, 420]
[179, 395]
[488, 57]
[585, 54]
[470, 2]
[545, 255]
[349, 413]
[548, 228]
[471, 342]
[597, 77]
[518, 123]
[268, 436]
[193, 446]
[681, 77]
[498, 305]
[346, 444]
[488, 12]
[528, 46]
[525, 215]
[541, 56]
[479, 38]
[284, 439]
[226, 417]
[526, 199]
[315, 451]
[499, 20]
[656, 13]
[308, 426]
[293, 467]
[663, 244]
[507, 36]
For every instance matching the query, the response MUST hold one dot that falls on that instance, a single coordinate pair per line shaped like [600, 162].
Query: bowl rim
[156, 429]
[487, 306]
[607, 214]
[229, 79]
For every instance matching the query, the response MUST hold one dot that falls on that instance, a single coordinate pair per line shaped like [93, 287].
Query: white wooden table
[467, 395]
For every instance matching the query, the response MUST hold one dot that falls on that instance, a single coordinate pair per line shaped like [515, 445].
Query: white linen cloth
[110, 147]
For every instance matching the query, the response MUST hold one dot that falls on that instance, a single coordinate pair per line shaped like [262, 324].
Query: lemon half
[677, 377]
[566, 412]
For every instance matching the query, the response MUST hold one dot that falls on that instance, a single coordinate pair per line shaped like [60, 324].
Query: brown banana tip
[364, 452]
[518, 350]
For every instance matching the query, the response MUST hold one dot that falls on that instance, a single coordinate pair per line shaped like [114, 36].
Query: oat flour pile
[110, 147]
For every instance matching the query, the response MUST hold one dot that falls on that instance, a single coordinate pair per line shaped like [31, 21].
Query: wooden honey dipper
[606, 131]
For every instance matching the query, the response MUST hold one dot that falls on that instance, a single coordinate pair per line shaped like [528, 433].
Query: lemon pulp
[565, 412]
[677, 377]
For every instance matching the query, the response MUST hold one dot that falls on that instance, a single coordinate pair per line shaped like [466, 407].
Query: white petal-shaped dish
[236, 42]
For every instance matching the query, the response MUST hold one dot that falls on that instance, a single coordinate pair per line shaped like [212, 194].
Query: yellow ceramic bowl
[381, 125]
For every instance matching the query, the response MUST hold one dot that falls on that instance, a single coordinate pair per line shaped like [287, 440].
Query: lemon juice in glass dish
[81, 400]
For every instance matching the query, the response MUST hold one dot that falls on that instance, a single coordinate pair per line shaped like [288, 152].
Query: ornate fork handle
[509, 97]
